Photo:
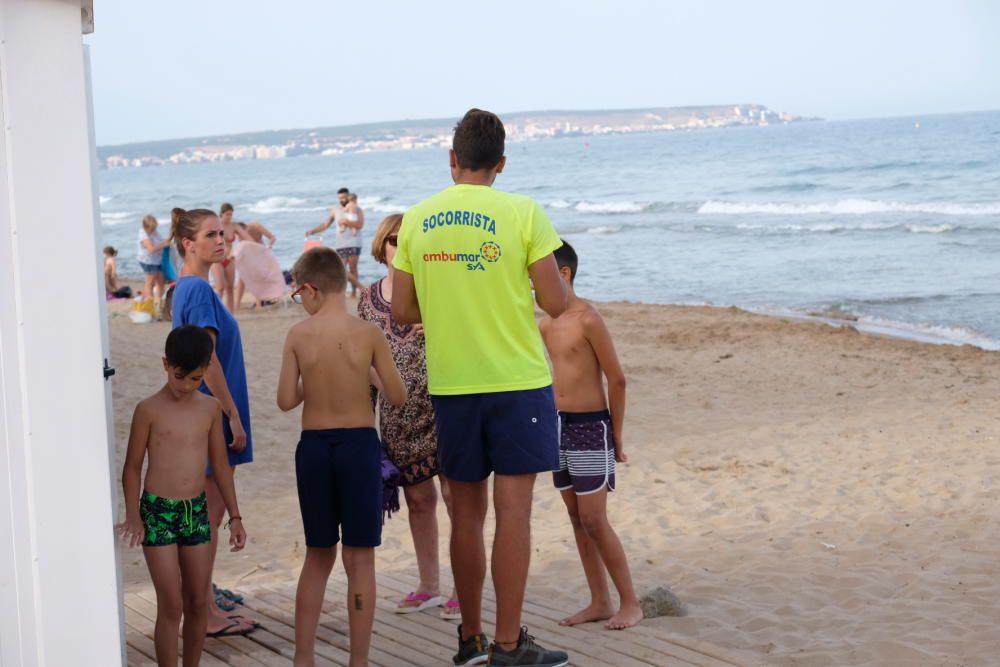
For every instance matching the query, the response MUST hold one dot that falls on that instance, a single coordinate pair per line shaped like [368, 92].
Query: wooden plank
[414, 640]
[277, 643]
[140, 642]
[253, 650]
[681, 647]
[332, 630]
[385, 649]
[226, 654]
[137, 659]
[580, 656]
[604, 647]
[146, 625]
[411, 636]
[422, 625]
[143, 643]
[281, 633]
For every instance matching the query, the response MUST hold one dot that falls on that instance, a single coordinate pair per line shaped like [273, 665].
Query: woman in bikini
[224, 273]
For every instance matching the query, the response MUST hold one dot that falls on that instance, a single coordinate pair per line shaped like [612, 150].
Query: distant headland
[414, 134]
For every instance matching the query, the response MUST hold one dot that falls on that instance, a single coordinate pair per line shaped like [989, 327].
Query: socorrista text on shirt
[467, 218]
[469, 248]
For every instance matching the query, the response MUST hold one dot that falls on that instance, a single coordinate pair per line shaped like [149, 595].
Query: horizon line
[535, 111]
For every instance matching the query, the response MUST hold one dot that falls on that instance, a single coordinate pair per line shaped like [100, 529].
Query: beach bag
[143, 310]
[391, 476]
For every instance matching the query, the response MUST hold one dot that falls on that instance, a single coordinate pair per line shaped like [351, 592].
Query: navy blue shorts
[151, 268]
[338, 472]
[507, 432]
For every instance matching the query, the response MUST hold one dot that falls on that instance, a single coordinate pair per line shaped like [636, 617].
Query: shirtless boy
[581, 351]
[326, 366]
[180, 429]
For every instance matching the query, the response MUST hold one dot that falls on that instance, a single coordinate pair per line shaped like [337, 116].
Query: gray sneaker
[471, 651]
[527, 654]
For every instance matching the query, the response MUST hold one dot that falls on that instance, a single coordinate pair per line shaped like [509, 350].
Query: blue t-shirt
[195, 302]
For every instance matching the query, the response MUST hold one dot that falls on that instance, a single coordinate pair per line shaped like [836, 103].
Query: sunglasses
[392, 239]
[296, 296]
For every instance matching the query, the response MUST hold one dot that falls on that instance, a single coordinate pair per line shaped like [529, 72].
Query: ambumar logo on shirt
[463, 218]
[489, 252]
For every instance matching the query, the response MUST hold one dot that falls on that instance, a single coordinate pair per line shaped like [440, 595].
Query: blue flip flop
[231, 596]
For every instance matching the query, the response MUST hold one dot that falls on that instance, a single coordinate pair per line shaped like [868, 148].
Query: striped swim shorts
[586, 452]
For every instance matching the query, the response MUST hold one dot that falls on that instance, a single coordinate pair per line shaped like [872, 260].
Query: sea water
[894, 221]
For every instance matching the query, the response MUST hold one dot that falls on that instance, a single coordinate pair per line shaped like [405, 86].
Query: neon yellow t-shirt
[468, 248]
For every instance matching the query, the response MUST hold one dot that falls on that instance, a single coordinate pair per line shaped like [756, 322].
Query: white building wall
[59, 593]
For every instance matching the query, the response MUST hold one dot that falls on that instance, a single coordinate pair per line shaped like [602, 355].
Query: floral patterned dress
[408, 432]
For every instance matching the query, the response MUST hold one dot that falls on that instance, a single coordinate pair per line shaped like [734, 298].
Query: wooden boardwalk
[413, 640]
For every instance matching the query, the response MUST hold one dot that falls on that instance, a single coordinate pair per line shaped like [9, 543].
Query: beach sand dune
[815, 496]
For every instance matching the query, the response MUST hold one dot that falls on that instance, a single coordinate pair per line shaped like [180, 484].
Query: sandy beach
[815, 495]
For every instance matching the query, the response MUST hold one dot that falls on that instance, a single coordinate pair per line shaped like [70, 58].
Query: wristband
[233, 518]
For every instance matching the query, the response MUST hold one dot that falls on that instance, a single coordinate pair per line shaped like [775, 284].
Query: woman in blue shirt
[197, 235]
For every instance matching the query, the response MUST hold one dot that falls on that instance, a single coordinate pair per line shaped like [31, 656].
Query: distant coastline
[415, 134]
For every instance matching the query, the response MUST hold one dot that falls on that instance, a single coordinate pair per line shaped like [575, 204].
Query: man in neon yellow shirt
[466, 261]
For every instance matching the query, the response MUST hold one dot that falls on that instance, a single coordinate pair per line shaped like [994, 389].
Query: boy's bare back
[177, 435]
[333, 353]
[578, 382]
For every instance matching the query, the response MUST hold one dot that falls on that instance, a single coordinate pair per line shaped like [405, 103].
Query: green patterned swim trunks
[181, 522]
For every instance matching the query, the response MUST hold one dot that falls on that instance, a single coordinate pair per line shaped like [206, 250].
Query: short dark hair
[321, 267]
[566, 256]
[225, 208]
[343, 191]
[110, 250]
[479, 139]
[189, 348]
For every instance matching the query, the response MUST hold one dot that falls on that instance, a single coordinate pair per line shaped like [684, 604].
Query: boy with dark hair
[326, 366]
[466, 261]
[179, 428]
[581, 350]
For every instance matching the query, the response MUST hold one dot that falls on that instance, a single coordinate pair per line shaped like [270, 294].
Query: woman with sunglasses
[408, 432]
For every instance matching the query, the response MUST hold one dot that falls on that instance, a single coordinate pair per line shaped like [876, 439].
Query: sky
[187, 68]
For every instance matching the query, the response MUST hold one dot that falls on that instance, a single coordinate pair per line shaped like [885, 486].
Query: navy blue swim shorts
[508, 432]
[338, 472]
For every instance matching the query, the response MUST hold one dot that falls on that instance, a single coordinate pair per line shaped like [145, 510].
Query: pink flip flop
[451, 610]
[415, 602]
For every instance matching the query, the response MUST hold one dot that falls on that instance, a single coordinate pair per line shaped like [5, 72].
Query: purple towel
[390, 486]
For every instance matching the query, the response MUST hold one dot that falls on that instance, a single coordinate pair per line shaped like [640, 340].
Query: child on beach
[180, 429]
[111, 288]
[150, 257]
[326, 366]
[581, 349]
